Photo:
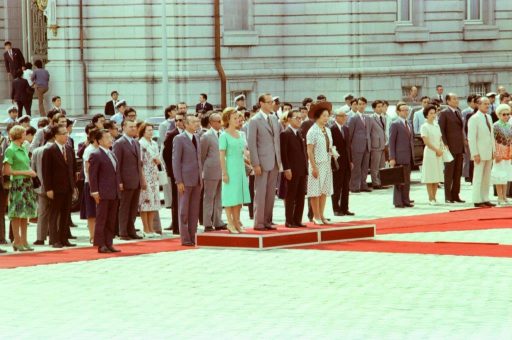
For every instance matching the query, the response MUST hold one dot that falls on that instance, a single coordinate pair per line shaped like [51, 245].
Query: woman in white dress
[319, 146]
[433, 166]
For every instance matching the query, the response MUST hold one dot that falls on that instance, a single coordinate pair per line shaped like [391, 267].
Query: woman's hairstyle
[142, 129]
[31, 130]
[226, 115]
[319, 113]
[501, 108]
[91, 136]
[38, 63]
[427, 109]
[16, 132]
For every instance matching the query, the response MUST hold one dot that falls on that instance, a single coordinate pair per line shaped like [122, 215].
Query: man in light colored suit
[378, 143]
[265, 153]
[212, 176]
[182, 110]
[418, 119]
[167, 124]
[482, 149]
[401, 148]
[187, 168]
[359, 127]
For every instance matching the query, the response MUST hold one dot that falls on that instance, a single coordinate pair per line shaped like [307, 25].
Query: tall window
[474, 10]
[237, 15]
[404, 13]
[480, 88]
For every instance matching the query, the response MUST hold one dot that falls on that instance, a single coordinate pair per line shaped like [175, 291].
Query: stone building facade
[293, 49]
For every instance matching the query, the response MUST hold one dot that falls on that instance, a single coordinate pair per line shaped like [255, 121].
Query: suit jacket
[36, 163]
[60, 110]
[14, 64]
[109, 108]
[130, 162]
[21, 90]
[264, 146]
[103, 177]
[210, 158]
[401, 143]
[293, 152]
[359, 133]
[481, 136]
[203, 109]
[186, 160]
[377, 133]
[58, 175]
[342, 145]
[167, 151]
[305, 126]
[452, 130]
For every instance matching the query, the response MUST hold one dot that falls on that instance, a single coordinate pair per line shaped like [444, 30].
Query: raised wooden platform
[286, 237]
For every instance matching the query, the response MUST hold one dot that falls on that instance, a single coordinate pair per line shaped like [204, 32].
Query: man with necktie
[360, 142]
[452, 130]
[105, 182]
[13, 59]
[439, 94]
[203, 106]
[378, 143]
[110, 106]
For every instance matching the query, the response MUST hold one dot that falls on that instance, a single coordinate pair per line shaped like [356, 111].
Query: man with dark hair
[98, 120]
[341, 177]
[203, 106]
[21, 93]
[505, 98]
[13, 59]
[287, 107]
[378, 143]
[110, 106]
[112, 128]
[348, 98]
[182, 110]
[169, 113]
[417, 115]
[57, 102]
[57, 119]
[439, 94]
[321, 98]
[468, 164]
[359, 127]
[452, 130]
[353, 108]
[130, 114]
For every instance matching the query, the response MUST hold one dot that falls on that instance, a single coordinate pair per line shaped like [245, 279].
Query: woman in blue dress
[235, 186]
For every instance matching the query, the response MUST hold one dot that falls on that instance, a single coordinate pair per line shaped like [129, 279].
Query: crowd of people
[212, 159]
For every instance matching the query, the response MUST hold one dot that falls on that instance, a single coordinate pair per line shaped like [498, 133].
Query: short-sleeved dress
[432, 168]
[322, 142]
[22, 197]
[149, 199]
[236, 190]
[88, 206]
[501, 172]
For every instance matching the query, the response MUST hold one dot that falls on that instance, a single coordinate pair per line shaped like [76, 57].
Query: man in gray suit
[43, 203]
[378, 143]
[359, 127]
[212, 176]
[127, 151]
[264, 149]
[186, 165]
[401, 149]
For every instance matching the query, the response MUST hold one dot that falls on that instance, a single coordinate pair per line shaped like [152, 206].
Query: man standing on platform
[295, 167]
[482, 149]
[186, 164]
[452, 130]
[264, 149]
[401, 147]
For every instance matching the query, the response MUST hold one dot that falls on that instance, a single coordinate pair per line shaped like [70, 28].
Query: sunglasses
[179, 120]
[505, 114]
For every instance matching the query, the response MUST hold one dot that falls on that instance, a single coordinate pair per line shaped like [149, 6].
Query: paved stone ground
[277, 294]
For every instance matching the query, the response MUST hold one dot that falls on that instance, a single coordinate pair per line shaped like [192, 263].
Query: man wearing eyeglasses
[167, 155]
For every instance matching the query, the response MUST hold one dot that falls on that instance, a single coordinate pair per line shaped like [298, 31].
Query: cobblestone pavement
[276, 294]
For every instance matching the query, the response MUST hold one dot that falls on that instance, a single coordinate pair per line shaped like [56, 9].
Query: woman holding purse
[433, 166]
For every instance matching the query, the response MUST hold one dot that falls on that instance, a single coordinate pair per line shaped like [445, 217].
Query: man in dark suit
[401, 147]
[13, 59]
[295, 166]
[452, 130]
[167, 155]
[341, 177]
[187, 168]
[57, 102]
[59, 176]
[203, 106]
[304, 128]
[110, 106]
[21, 93]
[127, 151]
[105, 182]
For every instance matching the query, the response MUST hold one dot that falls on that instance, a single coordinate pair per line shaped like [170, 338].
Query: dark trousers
[60, 207]
[294, 199]
[401, 191]
[251, 193]
[27, 105]
[128, 207]
[452, 174]
[201, 207]
[3, 208]
[105, 226]
[174, 207]
[341, 183]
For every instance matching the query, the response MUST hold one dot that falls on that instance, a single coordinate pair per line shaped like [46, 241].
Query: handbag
[36, 183]
[392, 176]
[447, 156]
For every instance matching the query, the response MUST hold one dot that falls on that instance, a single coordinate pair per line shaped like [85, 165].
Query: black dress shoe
[411, 201]
[72, 237]
[72, 225]
[104, 250]
[409, 205]
[222, 227]
[355, 191]
[67, 244]
[448, 201]
[125, 238]
[175, 232]
[39, 243]
[3, 251]
[339, 213]
[260, 228]
[159, 232]
[169, 228]
[480, 205]
[188, 244]
[113, 250]
[270, 228]
[3, 242]
[348, 213]
[376, 187]
[136, 237]
[208, 229]
[300, 225]
[399, 206]
[57, 245]
[366, 190]
[489, 204]
[289, 225]
[458, 200]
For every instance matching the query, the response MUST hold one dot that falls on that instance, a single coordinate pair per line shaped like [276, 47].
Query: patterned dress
[501, 172]
[322, 142]
[149, 199]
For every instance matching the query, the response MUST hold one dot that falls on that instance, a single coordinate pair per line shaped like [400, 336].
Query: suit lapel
[61, 156]
[107, 158]
[265, 123]
[131, 146]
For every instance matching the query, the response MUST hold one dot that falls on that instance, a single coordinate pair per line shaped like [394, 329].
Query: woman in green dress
[22, 198]
[235, 186]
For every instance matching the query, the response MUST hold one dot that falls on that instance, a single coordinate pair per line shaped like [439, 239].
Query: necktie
[362, 119]
[218, 134]
[63, 150]
[342, 133]
[10, 54]
[112, 159]
[407, 128]
[194, 142]
[270, 124]
[381, 121]
[487, 122]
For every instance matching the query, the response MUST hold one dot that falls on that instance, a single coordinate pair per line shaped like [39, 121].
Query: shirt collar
[61, 146]
[107, 151]
[189, 134]
[293, 129]
[339, 125]
[401, 119]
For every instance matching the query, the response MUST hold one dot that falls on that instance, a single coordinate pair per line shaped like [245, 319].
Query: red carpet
[470, 219]
[28, 259]
[441, 248]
